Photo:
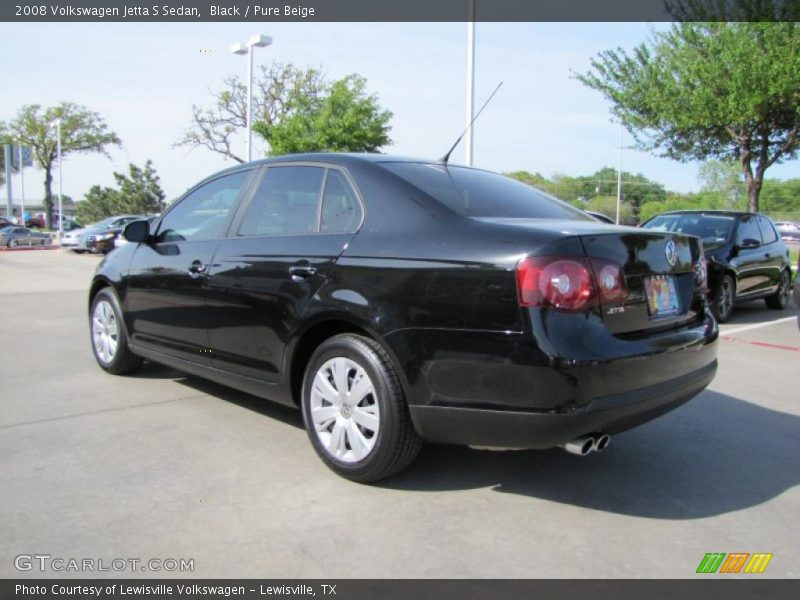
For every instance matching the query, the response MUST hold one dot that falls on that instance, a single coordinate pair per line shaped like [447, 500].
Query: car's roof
[729, 213]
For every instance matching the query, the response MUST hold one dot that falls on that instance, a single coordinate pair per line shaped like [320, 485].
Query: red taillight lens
[558, 282]
[569, 283]
[610, 281]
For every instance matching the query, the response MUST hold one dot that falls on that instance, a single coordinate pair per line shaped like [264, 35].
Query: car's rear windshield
[475, 193]
[712, 229]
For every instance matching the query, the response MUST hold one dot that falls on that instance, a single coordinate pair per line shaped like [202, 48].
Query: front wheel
[780, 299]
[12, 243]
[109, 337]
[355, 411]
[723, 297]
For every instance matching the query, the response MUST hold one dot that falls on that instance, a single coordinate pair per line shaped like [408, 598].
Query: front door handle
[197, 269]
[301, 273]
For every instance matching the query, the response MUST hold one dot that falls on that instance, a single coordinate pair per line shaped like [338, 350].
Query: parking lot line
[762, 344]
[756, 326]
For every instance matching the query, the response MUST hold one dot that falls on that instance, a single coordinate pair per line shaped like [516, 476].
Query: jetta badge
[672, 253]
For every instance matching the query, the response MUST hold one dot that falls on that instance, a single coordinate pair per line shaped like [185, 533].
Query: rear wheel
[355, 411]
[780, 299]
[722, 299]
[109, 337]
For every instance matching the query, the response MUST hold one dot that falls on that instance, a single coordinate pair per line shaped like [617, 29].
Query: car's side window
[341, 212]
[203, 214]
[748, 233]
[286, 202]
[768, 233]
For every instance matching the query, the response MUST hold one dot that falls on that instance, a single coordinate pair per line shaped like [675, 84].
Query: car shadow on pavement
[755, 311]
[271, 410]
[717, 454]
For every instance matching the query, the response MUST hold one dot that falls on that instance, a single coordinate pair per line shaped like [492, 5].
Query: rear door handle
[301, 273]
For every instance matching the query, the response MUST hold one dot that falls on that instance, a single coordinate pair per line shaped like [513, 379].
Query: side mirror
[137, 231]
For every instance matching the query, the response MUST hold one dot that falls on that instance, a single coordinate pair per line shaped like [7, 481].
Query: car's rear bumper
[515, 429]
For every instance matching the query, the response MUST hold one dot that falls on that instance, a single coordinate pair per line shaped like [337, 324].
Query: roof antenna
[453, 147]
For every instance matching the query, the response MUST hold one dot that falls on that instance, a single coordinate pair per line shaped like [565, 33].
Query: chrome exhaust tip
[601, 442]
[580, 446]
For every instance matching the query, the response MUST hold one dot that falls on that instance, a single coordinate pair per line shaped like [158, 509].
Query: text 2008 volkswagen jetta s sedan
[398, 300]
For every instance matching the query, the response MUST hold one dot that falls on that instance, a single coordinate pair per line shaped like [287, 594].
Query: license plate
[662, 297]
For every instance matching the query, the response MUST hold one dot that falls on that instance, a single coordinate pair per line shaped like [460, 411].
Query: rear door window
[341, 212]
[286, 202]
[768, 233]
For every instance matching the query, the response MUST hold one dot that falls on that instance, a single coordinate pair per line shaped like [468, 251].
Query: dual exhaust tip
[587, 444]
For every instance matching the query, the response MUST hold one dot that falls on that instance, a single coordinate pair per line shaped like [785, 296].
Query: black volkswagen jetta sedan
[746, 259]
[397, 300]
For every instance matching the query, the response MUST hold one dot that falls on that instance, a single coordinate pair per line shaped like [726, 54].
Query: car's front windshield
[712, 229]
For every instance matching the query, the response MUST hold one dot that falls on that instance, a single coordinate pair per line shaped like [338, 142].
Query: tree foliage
[276, 91]
[82, 131]
[137, 192]
[345, 118]
[710, 90]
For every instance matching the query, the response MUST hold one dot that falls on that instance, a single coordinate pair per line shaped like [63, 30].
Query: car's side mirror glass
[137, 231]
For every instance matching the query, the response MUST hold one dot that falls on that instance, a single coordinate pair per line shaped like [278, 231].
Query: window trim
[235, 226]
[244, 191]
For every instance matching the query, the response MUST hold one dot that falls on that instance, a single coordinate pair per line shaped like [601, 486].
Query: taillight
[569, 284]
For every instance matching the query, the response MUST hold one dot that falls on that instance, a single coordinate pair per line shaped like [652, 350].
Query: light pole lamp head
[259, 41]
[239, 49]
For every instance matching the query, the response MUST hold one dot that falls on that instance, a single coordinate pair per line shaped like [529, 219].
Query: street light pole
[468, 143]
[256, 41]
[619, 173]
[60, 173]
[21, 186]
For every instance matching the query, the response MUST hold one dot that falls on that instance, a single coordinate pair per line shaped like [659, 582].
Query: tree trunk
[752, 181]
[48, 196]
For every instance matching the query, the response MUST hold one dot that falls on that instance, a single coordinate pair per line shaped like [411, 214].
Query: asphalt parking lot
[161, 465]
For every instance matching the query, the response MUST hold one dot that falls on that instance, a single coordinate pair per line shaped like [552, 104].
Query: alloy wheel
[344, 410]
[105, 331]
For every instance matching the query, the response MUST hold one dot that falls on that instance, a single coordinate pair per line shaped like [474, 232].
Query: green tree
[710, 90]
[138, 192]
[722, 184]
[82, 131]
[98, 203]
[343, 119]
[276, 91]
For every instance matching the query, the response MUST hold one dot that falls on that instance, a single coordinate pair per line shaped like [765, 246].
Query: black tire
[397, 443]
[122, 361]
[780, 299]
[12, 243]
[723, 298]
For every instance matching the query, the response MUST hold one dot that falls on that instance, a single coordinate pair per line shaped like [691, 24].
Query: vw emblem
[672, 253]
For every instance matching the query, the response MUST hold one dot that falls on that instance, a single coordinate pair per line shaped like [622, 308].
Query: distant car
[797, 293]
[788, 230]
[14, 236]
[98, 237]
[745, 257]
[601, 217]
[4, 222]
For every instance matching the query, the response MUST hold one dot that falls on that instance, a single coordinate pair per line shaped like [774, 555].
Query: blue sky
[144, 78]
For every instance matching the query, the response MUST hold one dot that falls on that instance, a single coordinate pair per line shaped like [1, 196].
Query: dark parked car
[397, 301]
[13, 236]
[746, 259]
